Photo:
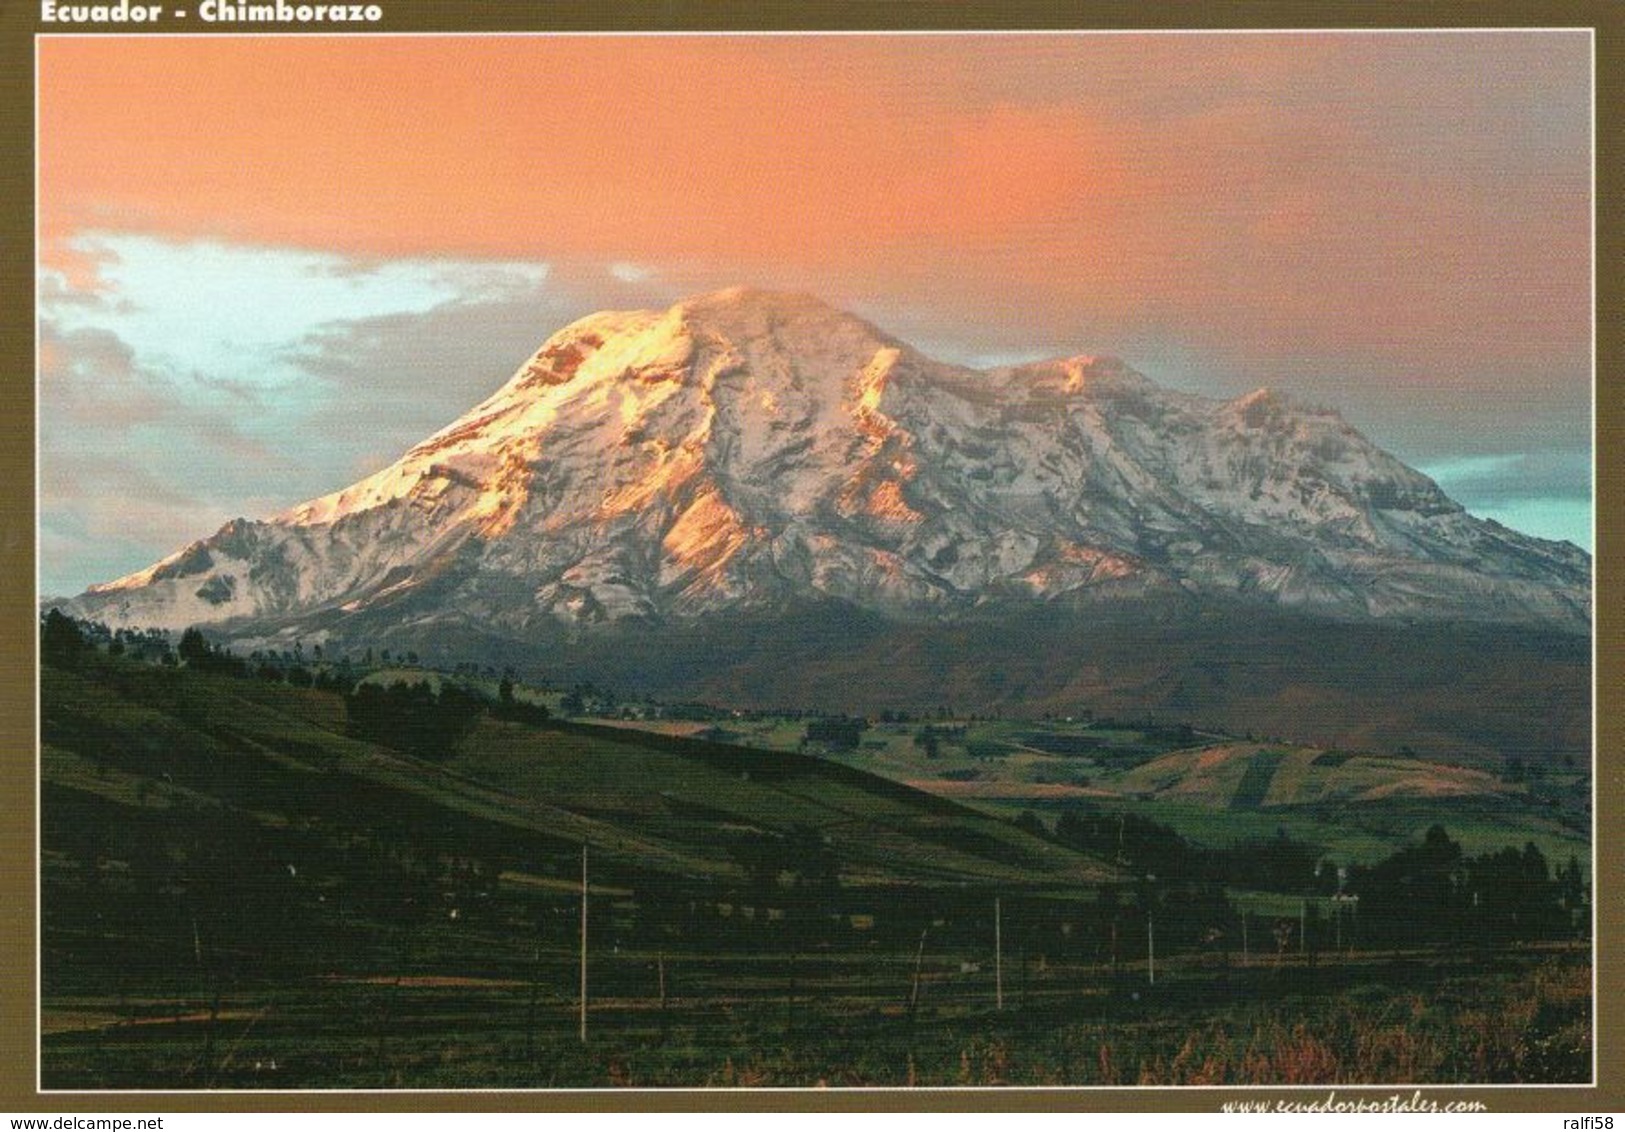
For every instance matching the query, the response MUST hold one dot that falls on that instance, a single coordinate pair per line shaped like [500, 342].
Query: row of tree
[410, 716]
[1505, 895]
[1509, 894]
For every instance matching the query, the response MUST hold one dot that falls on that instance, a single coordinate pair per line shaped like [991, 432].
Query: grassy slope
[136, 755]
[153, 739]
[1360, 806]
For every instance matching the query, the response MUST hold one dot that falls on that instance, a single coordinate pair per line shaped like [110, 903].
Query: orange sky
[754, 151]
[1397, 225]
[1366, 190]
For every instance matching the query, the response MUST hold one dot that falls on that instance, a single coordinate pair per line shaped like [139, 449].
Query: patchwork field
[246, 884]
[1216, 789]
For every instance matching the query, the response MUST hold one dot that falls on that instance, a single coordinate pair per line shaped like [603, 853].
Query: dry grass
[1536, 1031]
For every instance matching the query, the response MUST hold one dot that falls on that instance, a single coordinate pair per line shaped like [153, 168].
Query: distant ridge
[751, 450]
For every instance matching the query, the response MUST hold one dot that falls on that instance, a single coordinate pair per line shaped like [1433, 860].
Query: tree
[61, 642]
[839, 734]
[1571, 884]
[193, 649]
[1134, 841]
[411, 717]
[1430, 875]
[926, 739]
[1277, 864]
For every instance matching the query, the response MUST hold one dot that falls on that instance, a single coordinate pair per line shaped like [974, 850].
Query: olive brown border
[20, 24]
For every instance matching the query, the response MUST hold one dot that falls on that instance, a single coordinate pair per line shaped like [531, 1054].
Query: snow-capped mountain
[748, 450]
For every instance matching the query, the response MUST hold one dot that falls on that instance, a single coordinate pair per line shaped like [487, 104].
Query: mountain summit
[749, 451]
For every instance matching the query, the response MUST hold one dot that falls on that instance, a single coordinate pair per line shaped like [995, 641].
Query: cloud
[117, 494]
[1547, 494]
[388, 381]
[225, 309]
[56, 290]
[194, 381]
[89, 376]
[107, 509]
[1517, 477]
[1394, 224]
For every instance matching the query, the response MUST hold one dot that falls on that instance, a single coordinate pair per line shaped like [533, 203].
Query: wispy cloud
[630, 272]
[1510, 477]
[1547, 494]
[183, 383]
[390, 380]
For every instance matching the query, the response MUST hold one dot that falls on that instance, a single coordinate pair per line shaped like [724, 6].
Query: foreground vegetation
[252, 879]
[845, 1020]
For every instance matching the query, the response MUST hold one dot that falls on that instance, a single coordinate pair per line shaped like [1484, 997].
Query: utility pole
[1303, 926]
[583, 945]
[665, 1018]
[530, 1008]
[914, 989]
[1150, 930]
[1150, 947]
[1244, 959]
[998, 956]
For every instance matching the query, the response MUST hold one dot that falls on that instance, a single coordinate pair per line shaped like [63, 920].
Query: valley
[1213, 788]
[248, 885]
[852, 718]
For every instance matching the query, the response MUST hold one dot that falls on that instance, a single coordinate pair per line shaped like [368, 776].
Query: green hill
[237, 891]
[142, 765]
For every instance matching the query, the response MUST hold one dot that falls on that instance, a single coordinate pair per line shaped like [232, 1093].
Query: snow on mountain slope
[746, 448]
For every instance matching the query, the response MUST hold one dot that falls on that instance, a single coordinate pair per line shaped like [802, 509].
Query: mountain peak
[741, 296]
[1096, 376]
[751, 317]
[750, 448]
